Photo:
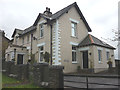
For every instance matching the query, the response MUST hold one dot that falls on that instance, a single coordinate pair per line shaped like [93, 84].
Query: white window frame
[28, 48]
[40, 53]
[28, 38]
[73, 20]
[41, 30]
[99, 56]
[75, 51]
[107, 55]
[73, 43]
[73, 29]
[16, 40]
[12, 55]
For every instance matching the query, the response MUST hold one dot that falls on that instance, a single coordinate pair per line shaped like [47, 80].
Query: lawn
[8, 82]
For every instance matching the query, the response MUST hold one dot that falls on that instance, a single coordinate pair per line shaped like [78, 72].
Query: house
[64, 35]
[4, 41]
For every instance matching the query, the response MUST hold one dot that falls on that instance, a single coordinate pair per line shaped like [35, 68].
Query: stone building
[4, 41]
[65, 35]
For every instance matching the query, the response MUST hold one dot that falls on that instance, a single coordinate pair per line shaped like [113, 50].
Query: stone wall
[40, 74]
[19, 72]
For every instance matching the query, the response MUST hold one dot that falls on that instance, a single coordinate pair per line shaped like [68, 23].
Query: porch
[18, 54]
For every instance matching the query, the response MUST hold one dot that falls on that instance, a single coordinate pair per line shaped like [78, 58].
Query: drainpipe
[51, 43]
[31, 46]
[15, 54]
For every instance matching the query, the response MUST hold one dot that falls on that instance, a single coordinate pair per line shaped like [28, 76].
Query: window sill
[100, 62]
[75, 62]
[74, 37]
[41, 38]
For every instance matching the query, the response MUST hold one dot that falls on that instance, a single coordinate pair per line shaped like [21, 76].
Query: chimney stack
[47, 12]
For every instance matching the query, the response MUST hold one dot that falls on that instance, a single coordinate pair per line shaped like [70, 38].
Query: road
[80, 82]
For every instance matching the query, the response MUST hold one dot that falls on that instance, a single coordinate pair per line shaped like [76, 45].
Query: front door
[85, 59]
[20, 59]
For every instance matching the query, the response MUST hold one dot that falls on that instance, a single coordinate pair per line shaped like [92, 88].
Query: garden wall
[40, 74]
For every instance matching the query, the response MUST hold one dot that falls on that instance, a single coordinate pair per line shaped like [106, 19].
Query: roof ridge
[99, 39]
[64, 8]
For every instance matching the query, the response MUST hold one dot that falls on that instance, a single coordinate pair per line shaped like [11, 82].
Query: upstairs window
[28, 39]
[41, 30]
[16, 40]
[73, 29]
[99, 55]
[108, 55]
[73, 53]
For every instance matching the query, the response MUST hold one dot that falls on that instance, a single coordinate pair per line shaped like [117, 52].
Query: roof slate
[91, 40]
[29, 29]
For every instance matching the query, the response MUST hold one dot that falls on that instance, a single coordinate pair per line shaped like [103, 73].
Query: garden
[8, 82]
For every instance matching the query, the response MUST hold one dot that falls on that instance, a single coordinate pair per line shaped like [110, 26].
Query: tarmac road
[80, 82]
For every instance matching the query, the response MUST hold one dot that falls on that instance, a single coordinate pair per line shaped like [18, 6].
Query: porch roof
[91, 40]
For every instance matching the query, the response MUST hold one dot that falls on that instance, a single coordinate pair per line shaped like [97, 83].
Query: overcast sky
[101, 15]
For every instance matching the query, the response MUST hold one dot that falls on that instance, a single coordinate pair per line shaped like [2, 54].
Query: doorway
[85, 59]
[20, 59]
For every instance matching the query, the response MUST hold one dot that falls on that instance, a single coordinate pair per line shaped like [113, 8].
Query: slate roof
[61, 12]
[29, 29]
[23, 32]
[91, 40]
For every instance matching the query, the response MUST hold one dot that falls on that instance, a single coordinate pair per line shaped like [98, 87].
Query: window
[99, 55]
[16, 40]
[28, 39]
[73, 53]
[12, 55]
[108, 55]
[41, 30]
[23, 40]
[41, 53]
[74, 28]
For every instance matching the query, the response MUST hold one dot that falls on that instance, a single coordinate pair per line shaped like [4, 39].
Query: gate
[91, 82]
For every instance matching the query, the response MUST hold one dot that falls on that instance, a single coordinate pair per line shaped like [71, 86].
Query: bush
[47, 57]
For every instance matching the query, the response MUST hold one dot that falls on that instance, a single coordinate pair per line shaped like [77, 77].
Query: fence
[41, 74]
[91, 82]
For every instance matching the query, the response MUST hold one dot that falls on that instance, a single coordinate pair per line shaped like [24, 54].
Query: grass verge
[8, 82]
